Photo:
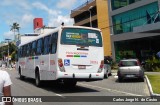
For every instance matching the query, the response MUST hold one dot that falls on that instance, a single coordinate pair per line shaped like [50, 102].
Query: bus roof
[55, 30]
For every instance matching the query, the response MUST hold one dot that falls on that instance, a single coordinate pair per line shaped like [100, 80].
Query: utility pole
[90, 13]
[8, 53]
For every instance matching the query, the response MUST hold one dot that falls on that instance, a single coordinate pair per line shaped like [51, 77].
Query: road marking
[60, 95]
[21, 83]
[113, 90]
[27, 88]
[38, 90]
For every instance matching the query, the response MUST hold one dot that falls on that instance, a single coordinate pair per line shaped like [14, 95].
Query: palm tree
[15, 27]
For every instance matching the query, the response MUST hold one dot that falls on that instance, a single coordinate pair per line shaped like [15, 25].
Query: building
[94, 13]
[38, 28]
[134, 28]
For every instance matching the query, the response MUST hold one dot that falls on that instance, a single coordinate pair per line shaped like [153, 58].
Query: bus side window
[23, 51]
[28, 48]
[50, 44]
[53, 43]
[19, 52]
[46, 45]
[44, 49]
[33, 48]
[42, 45]
[39, 46]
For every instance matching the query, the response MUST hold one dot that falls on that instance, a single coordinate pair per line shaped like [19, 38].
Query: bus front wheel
[37, 79]
[20, 75]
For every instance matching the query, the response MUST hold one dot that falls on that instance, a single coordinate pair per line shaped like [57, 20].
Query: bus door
[30, 66]
[53, 55]
[44, 59]
[21, 60]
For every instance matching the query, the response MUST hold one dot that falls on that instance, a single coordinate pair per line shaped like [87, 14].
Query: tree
[12, 51]
[15, 27]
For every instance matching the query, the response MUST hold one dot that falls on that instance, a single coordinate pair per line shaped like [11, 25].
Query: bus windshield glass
[82, 37]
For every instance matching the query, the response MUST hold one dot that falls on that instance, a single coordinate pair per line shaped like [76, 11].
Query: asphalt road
[106, 87]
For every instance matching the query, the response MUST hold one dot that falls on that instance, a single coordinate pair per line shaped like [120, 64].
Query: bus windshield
[82, 37]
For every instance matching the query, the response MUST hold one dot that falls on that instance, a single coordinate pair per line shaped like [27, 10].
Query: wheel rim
[37, 80]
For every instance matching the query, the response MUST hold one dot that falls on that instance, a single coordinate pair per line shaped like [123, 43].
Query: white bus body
[72, 53]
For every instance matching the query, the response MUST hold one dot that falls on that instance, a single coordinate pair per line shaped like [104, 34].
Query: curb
[150, 87]
[7, 68]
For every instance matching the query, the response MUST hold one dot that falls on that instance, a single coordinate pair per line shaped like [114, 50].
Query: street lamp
[90, 13]
[8, 52]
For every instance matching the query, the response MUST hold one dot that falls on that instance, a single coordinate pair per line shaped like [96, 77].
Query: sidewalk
[114, 73]
[114, 70]
[5, 68]
[150, 87]
[152, 73]
[149, 83]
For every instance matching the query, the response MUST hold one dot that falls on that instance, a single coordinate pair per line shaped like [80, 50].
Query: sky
[53, 12]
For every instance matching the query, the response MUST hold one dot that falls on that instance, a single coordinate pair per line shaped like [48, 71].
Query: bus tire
[106, 74]
[120, 79]
[70, 83]
[20, 74]
[37, 79]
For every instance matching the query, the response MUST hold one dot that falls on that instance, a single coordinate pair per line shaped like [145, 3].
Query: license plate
[81, 67]
[129, 76]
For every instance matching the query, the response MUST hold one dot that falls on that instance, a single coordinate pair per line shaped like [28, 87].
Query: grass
[155, 82]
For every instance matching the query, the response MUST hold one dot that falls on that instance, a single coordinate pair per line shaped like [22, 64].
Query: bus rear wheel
[106, 75]
[37, 79]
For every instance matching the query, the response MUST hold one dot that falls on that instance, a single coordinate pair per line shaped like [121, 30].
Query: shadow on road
[58, 87]
[129, 81]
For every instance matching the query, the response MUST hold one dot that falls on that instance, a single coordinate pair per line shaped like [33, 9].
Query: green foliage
[156, 69]
[12, 50]
[3, 51]
[114, 65]
[153, 64]
[15, 26]
[154, 80]
[13, 56]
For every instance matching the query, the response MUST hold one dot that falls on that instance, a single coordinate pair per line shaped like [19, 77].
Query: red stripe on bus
[69, 55]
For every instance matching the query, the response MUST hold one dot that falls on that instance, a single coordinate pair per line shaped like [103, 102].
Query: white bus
[67, 53]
